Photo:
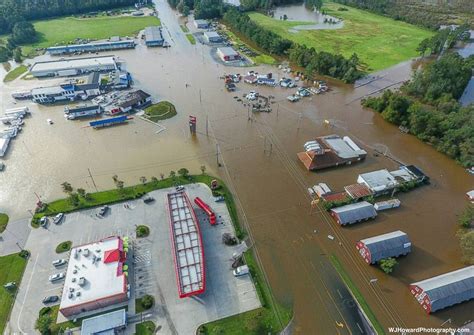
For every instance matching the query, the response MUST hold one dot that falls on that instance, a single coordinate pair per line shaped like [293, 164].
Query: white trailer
[383, 205]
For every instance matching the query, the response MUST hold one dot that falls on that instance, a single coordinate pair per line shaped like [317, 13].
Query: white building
[227, 54]
[212, 37]
[96, 277]
[378, 182]
[201, 24]
[66, 92]
[73, 66]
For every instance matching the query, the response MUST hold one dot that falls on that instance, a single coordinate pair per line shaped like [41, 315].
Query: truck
[241, 271]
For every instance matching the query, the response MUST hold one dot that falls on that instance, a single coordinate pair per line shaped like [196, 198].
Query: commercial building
[445, 290]
[132, 100]
[105, 324]
[353, 213]
[212, 37]
[374, 249]
[73, 66]
[65, 92]
[227, 54]
[154, 37]
[91, 47]
[379, 182]
[187, 246]
[201, 24]
[329, 151]
[81, 111]
[357, 191]
[96, 277]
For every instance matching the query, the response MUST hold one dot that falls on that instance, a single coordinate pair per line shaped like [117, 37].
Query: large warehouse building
[374, 249]
[154, 37]
[445, 290]
[91, 47]
[73, 66]
[96, 277]
[353, 213]
[227, 54]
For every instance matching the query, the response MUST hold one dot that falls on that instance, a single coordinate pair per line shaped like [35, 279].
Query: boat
[187, 246]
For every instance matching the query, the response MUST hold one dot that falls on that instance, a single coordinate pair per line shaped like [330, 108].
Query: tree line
[443, 40]
[312, 61]
[203, 9]
[427, 106]
[430, 15]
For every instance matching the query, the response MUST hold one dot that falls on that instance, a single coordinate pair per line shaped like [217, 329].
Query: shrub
[24, 253]
[147, 302]
[388, 264]
[63, 247]
[142, 231]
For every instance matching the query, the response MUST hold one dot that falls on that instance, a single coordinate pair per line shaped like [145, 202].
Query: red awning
[111, 256]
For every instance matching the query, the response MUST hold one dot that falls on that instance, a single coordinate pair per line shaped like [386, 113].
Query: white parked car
[57, 219]
[59, 262]
[241, 271]
[252, 95]
[293, 98]
[56, 277]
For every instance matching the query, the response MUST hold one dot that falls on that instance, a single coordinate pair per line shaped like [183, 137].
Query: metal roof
[449, 288]
[378, 180]
[343, 147]
[153, 33]
[391, 244]
[227, 51]
[211, 34]
[103, 323]
[201, 22]
[357, 191]
[355, 212]
[74, 63]
[187, 245]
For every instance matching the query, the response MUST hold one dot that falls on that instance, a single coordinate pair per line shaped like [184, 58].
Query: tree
[43, 323]
[203, 169]
[74, 199]
[162, 176]
[5, 54]
[147, 301]
[67, 188]
[172, 174]
[183, 172]
[81, 192]
[467, 246]
[154, 180]
[388, 264]
[143, 179]
[17, 56]
[23, 32]
[466, 220]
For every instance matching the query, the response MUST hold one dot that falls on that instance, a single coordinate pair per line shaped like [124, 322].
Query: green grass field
[3, 222]
[161, 111]
[379, 42]
[12, 267]
[65, 30]
[15, 73]
[191, 38]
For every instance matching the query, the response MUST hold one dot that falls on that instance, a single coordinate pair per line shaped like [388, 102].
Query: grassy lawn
[3, 222]
[63, 247]
[378, 41]
[15, 73]
[65, 30]
[12, 267]
[145, 328]
[160, 111]
[191, 38]
[356, 293]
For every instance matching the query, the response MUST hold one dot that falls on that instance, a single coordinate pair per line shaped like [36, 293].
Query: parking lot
[153, 270]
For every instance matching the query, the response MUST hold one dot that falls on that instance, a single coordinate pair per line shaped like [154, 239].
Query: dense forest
[428, 107]
[203, 9]
[13, 11]
[443, 40]
[313, 62]
[427, 13]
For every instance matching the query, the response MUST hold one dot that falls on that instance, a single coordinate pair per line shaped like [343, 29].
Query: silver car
[56, 277]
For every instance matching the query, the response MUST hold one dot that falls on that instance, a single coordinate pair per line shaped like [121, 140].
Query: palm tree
[81, 192]
[183, 172]
[154, 180]
[172, 174]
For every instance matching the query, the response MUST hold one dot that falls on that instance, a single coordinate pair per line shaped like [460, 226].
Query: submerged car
[293, 98]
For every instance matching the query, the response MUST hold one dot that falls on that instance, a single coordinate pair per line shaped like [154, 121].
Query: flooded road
[259, 163]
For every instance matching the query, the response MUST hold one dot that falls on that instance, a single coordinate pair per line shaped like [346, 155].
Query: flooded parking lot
[258, 161]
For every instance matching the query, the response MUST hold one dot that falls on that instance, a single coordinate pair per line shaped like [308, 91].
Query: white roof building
[73, 66]
[96, 277]
[378, 181]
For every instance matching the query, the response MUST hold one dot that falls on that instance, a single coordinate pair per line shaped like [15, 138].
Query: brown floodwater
[259, 163]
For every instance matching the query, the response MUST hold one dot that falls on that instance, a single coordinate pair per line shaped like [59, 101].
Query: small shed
[445, 290]
[357, 191]
[353, 213]
[374, 249]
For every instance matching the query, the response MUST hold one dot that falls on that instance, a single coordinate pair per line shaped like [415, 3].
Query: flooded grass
[191, 38]
[378, 41]
[15, 73]
[12, 268]
[160, 111]
[357, 294]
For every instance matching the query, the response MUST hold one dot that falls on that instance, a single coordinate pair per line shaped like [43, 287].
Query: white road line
[26, 294]
[52, 289]
[358, 326]
[338, 292]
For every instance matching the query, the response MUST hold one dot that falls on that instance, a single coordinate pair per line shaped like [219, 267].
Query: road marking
[26, 294]
[358, 326]
[52, 289]
[339, 292]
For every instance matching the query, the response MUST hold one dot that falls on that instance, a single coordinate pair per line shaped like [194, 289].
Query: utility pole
[300, 116]
[278, 109]
[207, 125]
[93, 181]
[217, 155]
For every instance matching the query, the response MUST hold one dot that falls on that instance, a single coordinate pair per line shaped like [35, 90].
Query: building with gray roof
[374, 249]
[73, 66]
[212, 37]
[201, 24]
[353, 213]
[445, 290]
[105, 324]
[154, 37]
[379, 182]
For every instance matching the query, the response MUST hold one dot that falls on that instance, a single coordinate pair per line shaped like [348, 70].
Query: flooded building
[445, 290]
[73, 66]
[72, 113]
[96, 277]
[330, 151]
[154, 37]
[212, 37]
[379, 182]
[358, 191]
[132, 100]
[91, 47]
[374, 249]
[65, 92]
[335, 197]
[227, 54]
[353, 213]
[201, 24]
